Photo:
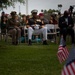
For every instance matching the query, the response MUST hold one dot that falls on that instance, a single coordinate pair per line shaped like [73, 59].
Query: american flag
[69, 67]
[63, 52]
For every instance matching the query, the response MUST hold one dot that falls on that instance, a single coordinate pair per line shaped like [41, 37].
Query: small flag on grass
[69, 67]
[63, 52]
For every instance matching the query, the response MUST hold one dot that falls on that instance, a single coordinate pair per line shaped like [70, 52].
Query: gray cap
[34, 11]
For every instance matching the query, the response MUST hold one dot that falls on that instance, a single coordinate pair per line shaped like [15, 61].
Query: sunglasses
[34, 13]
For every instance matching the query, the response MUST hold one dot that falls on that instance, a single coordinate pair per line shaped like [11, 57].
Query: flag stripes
[62, 53]
[69, 69]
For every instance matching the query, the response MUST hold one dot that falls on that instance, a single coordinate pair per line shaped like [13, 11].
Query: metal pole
[19, 8]
[26, 7]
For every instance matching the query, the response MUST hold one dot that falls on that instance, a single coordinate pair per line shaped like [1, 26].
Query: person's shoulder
[70, 17]
[30, 19]
[45, 19]
[61, 17]
[9, 19]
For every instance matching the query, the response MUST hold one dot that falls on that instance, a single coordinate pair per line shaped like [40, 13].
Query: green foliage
[45, 11]
[49, 11]
[6, 3]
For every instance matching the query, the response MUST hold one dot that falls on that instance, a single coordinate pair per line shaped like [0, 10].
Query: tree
[50, 11]
[6, 3]
[45, 11]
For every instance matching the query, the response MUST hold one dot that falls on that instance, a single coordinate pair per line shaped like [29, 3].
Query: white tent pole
[26, 7]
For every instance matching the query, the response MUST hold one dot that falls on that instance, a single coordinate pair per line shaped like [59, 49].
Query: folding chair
[2, 35]
[54, 32]
[25, 34]
[8, 37]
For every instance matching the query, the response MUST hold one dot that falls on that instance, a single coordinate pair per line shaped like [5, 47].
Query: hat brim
[34, 12]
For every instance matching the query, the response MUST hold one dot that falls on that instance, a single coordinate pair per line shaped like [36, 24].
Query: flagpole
[19, 9]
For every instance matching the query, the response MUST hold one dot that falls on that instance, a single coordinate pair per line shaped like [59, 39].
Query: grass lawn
[29, 60]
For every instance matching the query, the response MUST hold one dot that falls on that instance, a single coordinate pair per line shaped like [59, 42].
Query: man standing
[66, 25]
[41, 30]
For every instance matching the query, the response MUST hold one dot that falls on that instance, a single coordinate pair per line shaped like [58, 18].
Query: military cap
[34, 11]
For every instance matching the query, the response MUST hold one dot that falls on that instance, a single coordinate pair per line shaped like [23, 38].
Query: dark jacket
[62, 23]
[33, 21]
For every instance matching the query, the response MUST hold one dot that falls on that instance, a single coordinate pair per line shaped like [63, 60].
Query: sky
[41, 4]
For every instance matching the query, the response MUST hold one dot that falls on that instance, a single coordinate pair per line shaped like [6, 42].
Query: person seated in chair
[4, 25]
[23, 24]
[32, 29]
[13, 28]
[3, 22]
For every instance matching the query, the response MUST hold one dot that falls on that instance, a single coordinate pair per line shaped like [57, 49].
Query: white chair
[25, 33]
[8, 37]
[54, 32]
[3, 35]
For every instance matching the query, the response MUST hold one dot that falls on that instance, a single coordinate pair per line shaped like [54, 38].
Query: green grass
[29, 60]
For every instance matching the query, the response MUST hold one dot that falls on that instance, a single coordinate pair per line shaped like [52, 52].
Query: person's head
[24, 17]
[34, 13]
[13, 14]
[28, 17]
[41, 15]
[3, 13]
[66, 13]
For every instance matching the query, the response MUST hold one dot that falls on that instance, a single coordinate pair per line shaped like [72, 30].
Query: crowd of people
[15, 25]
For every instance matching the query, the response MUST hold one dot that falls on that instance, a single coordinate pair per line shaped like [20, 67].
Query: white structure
[26, 7]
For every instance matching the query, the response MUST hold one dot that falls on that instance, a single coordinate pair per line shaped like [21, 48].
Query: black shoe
[29, 42]
[45, 42]
[13, 43]
[16, 43]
